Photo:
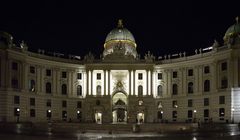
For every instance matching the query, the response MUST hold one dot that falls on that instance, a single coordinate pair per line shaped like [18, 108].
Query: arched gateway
[119, 107]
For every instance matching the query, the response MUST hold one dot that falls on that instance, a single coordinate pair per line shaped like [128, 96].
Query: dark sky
[77, 27]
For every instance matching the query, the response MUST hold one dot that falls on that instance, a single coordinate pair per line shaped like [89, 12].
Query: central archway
[119, 107]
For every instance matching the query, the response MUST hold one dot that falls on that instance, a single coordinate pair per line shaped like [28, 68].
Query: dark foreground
[140, 136]
[218, 132]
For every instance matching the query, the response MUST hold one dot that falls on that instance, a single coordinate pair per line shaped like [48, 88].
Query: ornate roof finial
[237, 19]
[120, 23]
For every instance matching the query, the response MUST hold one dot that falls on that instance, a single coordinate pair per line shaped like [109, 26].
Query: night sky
[77, 27]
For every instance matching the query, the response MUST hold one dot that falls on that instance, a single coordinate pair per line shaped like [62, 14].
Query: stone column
[9, 74]
[165, 78]
[105, 78]
[199, 83]
[184, 81]
[54, 83]
[214, 80]
[134, 82]
[42, 79]
[58, 82]
[169, 77]
[197, 73]
[151, 83]
[38, 80]
[69, 83]
[180, 82]
[92, 82]
[109, 88]
[25, 77]
[129, 86]
[147, 82]
[87, 82]
[235, 72]
[230, 73]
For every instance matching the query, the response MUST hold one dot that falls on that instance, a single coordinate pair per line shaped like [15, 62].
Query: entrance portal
[98, 117]
[119, 113]
[140, 117]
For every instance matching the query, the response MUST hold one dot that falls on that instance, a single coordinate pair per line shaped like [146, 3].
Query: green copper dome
[120, 33]
[233, 30]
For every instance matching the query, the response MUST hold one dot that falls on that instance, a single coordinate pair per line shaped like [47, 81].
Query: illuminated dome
[232, 31]
[120, 41]
[120, 34]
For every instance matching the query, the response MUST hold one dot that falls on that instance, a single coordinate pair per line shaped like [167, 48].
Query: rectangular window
[140, 76]
[32, 101]
[16, 111]
[14, 66]
[206, 113]
[221, 112]
[64, 103]
[98, 76]
[190, 113]
[224, 66]
[224, 83]
[49, 103]
[160, 114]
[16, 100]
[174, 114]
[174, 74]
[79, 104]
[206, 101]
[14, 83]
[79, 76]
[190, 72]
[159, 76]
[64, 74]
[221, 99]
[190, 103]
[32, 113]
[32, 69]
[206, 69]
[174, 104]
[48, 72]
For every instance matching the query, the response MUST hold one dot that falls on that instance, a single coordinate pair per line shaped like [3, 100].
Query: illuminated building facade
[120, 87]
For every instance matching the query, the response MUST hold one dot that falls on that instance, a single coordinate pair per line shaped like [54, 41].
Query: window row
[49, 73]
[32, 113]
[32, 102]
[192, 114]
[190, 102]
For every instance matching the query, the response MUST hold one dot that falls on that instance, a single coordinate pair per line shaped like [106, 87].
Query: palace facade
[120, 87]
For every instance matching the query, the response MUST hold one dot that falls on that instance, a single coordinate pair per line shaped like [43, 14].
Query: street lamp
[233, 115]
[18, 114]
[49, 114]
[194, 111]
[78, 115]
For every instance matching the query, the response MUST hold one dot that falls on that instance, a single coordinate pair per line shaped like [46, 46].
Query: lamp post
[194, 111]
[49, 114]
[18, 114]
[78, 116]
[233, 115]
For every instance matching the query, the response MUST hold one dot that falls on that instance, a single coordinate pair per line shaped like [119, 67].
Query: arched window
[159, 90]
[14, 82]
[206, 85]
[98, 90]
[190, 87]
[48, 87]
[32, 85]
[175, 89]
[140, 90]
[79, 90]
[64, 89]
[224, 83]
